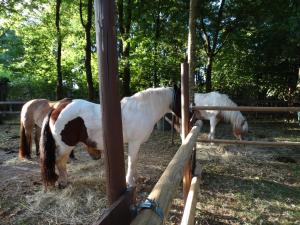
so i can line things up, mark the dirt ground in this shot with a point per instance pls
(241, 184)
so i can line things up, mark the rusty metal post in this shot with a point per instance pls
(187, 173)
(110, 99)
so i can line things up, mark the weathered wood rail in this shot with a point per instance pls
(188, 217)
(248, 108)
(242, 142)
(166, 187)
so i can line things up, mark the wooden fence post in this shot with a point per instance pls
(187, 172)
(111, 112)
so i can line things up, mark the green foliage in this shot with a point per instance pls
(156, 51)
(261, 55)
(258, 47)
(11, 48)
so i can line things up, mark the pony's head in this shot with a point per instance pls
(176, 104)
(240, 128)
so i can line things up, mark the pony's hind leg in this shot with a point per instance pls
(25, 140)
(72, 155)
(61, 164)
(37, 138)
(133, 150)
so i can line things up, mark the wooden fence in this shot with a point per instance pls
(249, 109)
(166, 187)
(10, 107)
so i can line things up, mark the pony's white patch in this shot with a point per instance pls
(238, 121)
(140, 113)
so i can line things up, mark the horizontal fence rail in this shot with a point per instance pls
(164, 190)
(10, 112)
(265, 143)
(248, 108)
(12, 102)
(9, 104)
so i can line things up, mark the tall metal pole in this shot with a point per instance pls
(187, 172)
(110, 99)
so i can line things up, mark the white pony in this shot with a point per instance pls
(81, 121)
(238, 121)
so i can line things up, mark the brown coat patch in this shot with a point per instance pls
(74, 131)
(59, 106)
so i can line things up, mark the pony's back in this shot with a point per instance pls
(89, 111)
(213, 99)
(35, 110)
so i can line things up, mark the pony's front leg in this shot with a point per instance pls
(61, 164)
(133, 150)
(213, 123)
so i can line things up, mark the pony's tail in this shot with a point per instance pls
(25, 144)
(47, 154)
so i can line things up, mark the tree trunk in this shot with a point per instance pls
(212, 44)
(124, 45)
(87, 62)
(59, 86)
(88, 68)
(126, 71)
(208, 74)
(192, 48)
(156, 38)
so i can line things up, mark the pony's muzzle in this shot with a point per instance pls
(94, 153)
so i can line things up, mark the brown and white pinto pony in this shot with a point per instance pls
(81, 121)
(238, 121)
(32, 115)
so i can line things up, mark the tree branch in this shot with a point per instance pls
(225, 35)
(81, 14)
(218, 26)
(205, 36)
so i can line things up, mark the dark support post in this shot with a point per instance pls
(172, 129)
(111, 111)
(187, 173)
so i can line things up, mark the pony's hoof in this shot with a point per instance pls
(95, 154)
(130, 182)
(72, 160)
(62, 185)
(96, 158)
(25, 157)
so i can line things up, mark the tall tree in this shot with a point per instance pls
(157, 33)
(88, 46)
(192, 47)
(124, 22)
(216, 23)
(262, 56)
(59, 85)
(211, 42)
